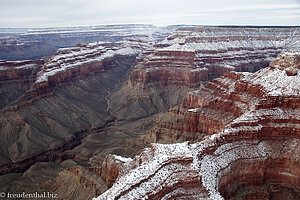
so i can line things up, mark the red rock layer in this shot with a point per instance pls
(169, 68)
(18, 70)
(110, 169)
(76, 62)
(192, 55)
(75, 73)
(208, 110)
(256, 156)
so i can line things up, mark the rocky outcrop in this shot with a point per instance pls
(192, 55)
(111, 168)
(169, 67)
(255, 156)
(205, 111)
(288, 62)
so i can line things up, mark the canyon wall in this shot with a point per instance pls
(195, 54)
(191, 57)
(209, 109)
(255, 156)
(16, 77)
(67, 99)
(104, 97)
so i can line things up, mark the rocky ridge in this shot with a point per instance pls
(70, 63)
(254, 156)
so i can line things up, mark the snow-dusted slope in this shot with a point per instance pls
(88, 57)
(198, 54)
(256, 151)
(34, 43)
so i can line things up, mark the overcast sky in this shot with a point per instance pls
(54, 13)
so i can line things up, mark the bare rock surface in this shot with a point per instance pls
(256, 155)
(86, 102)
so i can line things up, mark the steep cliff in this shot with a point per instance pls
(192, 55)
(66, 101)
(189, 58)
(208, 110)
(102, 98)
(256, 156)
(16, 77)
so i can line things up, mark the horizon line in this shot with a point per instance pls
(157, 25)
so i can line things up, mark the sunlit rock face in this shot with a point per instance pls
(255, 156)
(192, 55)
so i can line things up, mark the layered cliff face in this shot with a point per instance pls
(80, 104)
(76, 62)
(192, 55)
(66, 101)
(16, 76)
(256, 156)
(208, 110)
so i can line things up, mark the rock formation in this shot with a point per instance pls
(208, 110)
(111, 168)
(59, 92)
(256, 156)
(192, 55)
(102, 98)
(16, 76)
(32, 43)
(189, 58)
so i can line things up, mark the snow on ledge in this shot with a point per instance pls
(80, 55)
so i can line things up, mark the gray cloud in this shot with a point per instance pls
(47, 13)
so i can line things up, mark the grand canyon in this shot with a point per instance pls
(147, 112)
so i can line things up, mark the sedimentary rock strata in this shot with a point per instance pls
(208, 110)
(16, 77)
(80, 103)
(192, 55)
(41, 117)
(255, 156)
(111, 167)
(36, 43)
